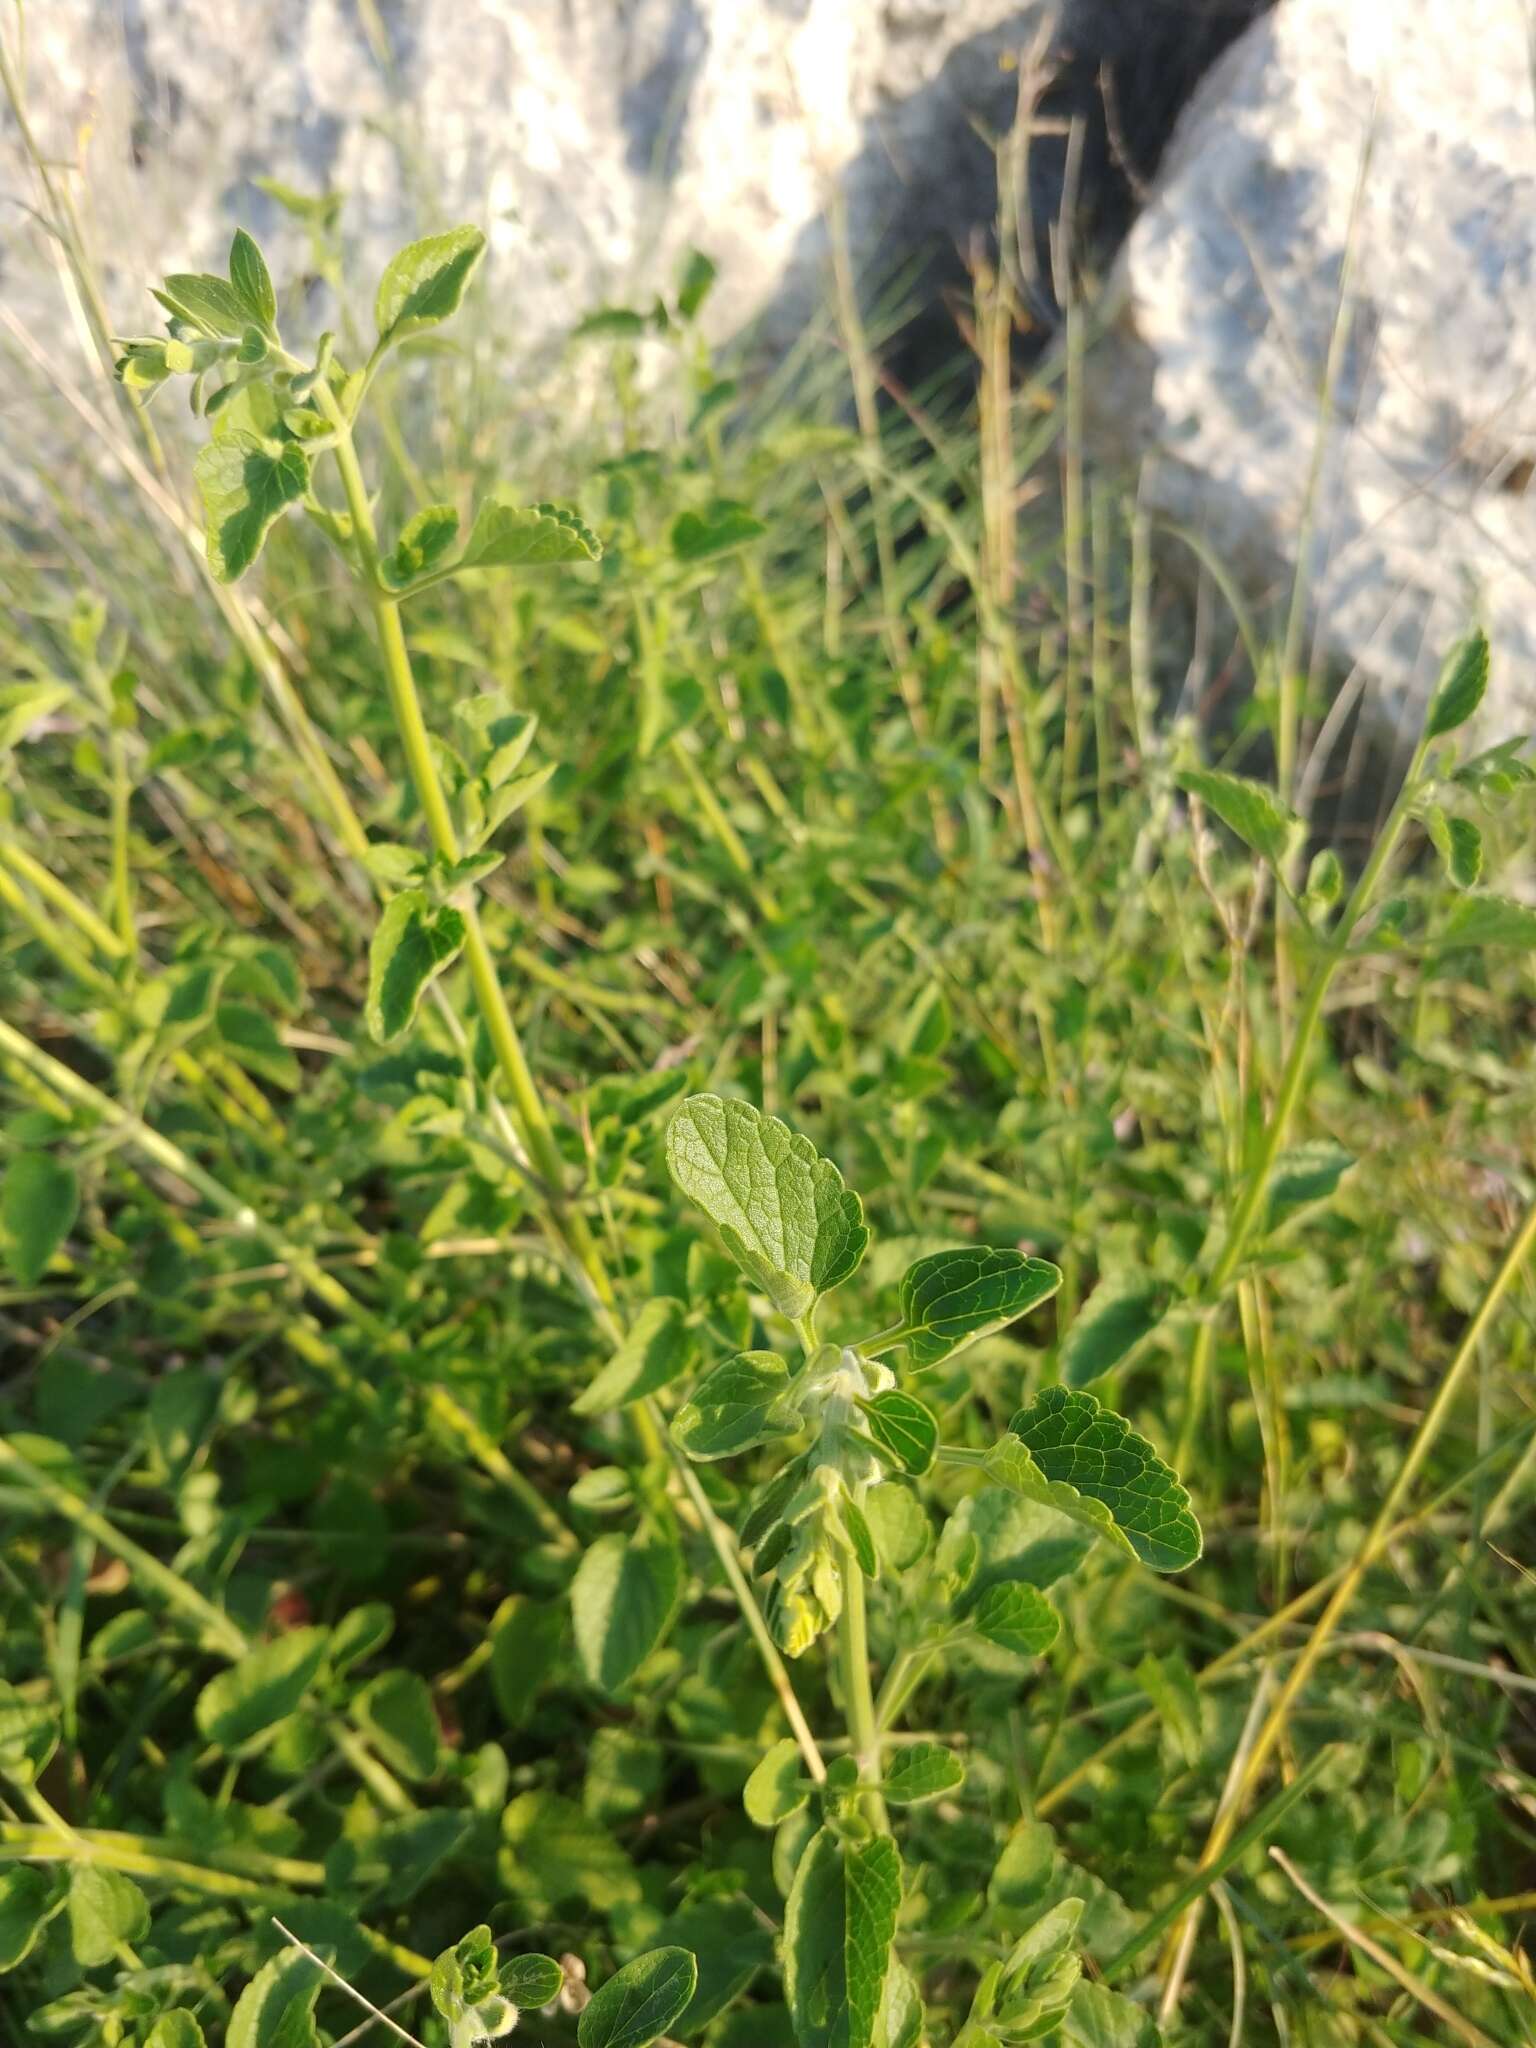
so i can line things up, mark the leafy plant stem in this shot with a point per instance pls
(411, 725)
(724, 1547)
(1250, 1204)
(858, 1696)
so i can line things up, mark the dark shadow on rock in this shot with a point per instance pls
(923, 187)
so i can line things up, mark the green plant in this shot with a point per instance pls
(413, 1520)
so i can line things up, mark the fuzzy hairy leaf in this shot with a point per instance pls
(276, 2009)
(507, 535)
(250, 280)
(207, 301)
(1460, 689)
(741, 1403)
(622, 1598)
(412, 944)
(1015, 1617)
(246, 484)
(905, 1427)
(952, 1297)
(782, 1210)
(639, 2002)
(1250, 809)
(839, 1923)
(105, 1910)
(531, 1981)
(920, 1771)
(424, 284)
(424, 540)
(1088, 1463)
(776, 1787)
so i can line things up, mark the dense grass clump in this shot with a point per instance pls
(1024, 1531)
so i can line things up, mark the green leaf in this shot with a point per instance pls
(395, 1712)
(424, 284)
(953, 1297)
(23, 705)
(1460, 689)
(251, 280)
(777, 1787)
(1306, 1173)
(105, 1909)
(464, 1975)
(741, 1403)
(899, 1524)
(262, 1689)
(1325, 879)
(276, 2009)
(1170, 1685)
(360, 1631)
(28, 1900)
(531, 1981)
(782, 1210)
(39, 1201)
(176, 2029)
(905, 1428)
(732, 1946)
(1101, 2018)
(412, 945)
(246, 485)
(726, 525)
(1250, 809)
(507, 535)
(251, 1036)
(860, 1540)
(638, 2003)
(1112, 1323)
(1489, 920)
(207, 301)
(656, 1349)
(699, 274)
(423, 542)
(552, 1854)
(920, 1771)
(1015, 1617)
(526, 1636)
(839, 1923)
(1464, 861)
(1088, 1463)
(623, 1598)
(29, 1734)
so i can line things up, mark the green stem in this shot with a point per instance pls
(567, 1225)
(858, 1696)
(1294, 1074)
(405, 703)
(725, 1550)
